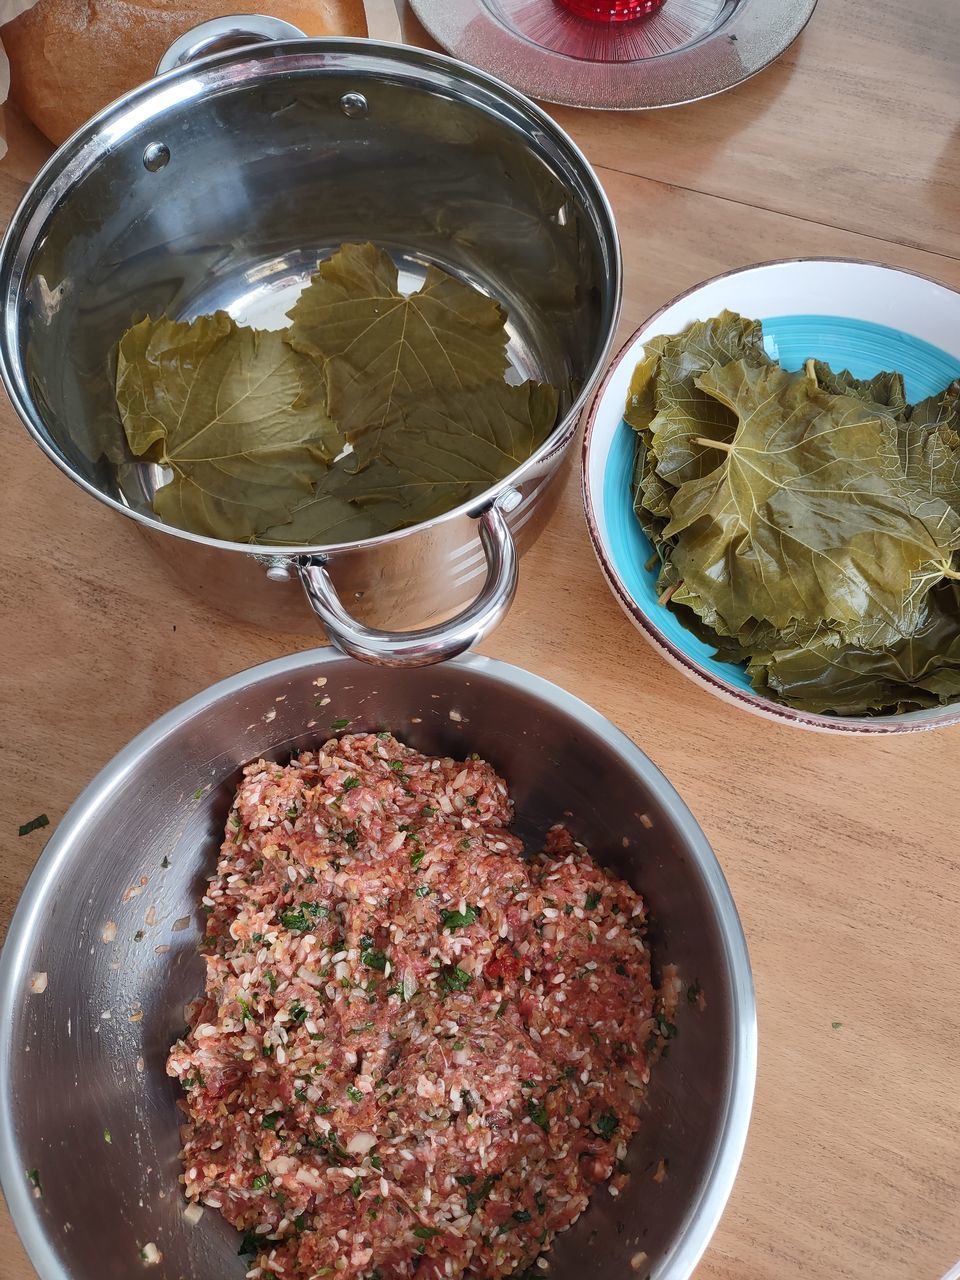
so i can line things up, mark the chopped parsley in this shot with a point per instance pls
(374, 959)
(427, 811)
(35, 824)
(298, 1012)
(666, 1028)
(418, 855)
(521, 1215)
(350, 783)
(353, 1093)
(260, 1181)
(453, 978)
(351, 838)
(458, 919)
(295, 921)
(376, 1162)
(107, 1137)
(538, 1114)
(33, 1177)
(476, 1198)
(591, 901)
(339, 724)
(425, 1233)
(693, 992)
(607, 1124)
(422, 891)
(271, 980)
(270, 1121)
(356, 1187)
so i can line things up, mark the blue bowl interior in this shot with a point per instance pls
(858, 345)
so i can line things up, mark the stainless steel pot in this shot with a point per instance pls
(221, 183)
(110, 920)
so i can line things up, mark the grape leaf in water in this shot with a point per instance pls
(327, 517)
(384, 350)
(808, 517)
(235, 414)
(453, 446)
(921, 670)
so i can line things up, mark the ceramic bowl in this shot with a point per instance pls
(855, 315)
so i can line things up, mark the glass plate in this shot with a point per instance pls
(687, 50)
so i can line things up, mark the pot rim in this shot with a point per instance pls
(68, 162)
(702, 1215)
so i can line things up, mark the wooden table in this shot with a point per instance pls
(843, 855)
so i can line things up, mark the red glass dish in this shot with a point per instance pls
(611, 10)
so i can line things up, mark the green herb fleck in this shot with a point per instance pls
(271, 980)
(351, 837)
(376, 1162)
(417, 857)
(298, 1012)
(107, 1137)
(270, 1121)
(260, 1181)
(591, 901)
(354, 1094)
(33, 1177)
(538, 1114)
(422, 891)
(607, 1124)
(374, 959)
(476, 1198)
(356, 1187)
(836, 1025)
(521, 1215)
(35, 824)
(350, 783)
(453, 978)
(425, 1233)
(466, 1179)
(666, 1028)
(340, 724)
(295, 921)
(458, 919)
(693, 992)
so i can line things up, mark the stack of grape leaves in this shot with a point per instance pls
(374, 410)
(805, 523)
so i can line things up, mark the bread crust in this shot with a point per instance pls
(69, 58)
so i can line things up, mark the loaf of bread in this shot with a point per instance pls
(69, 58)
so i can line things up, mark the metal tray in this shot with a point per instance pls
(689, 49)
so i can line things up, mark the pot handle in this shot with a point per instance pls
(383, 20)
(226, 33)
(431, 644)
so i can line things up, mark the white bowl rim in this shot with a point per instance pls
(907, 722)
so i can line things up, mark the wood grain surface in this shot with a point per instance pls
(842, 854)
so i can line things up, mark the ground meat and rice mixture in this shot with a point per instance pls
(420, 1050)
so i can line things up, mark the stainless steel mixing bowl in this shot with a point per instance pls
(221, 184)
(85, 1055)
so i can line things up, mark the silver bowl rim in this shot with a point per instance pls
(702, 1216)
(44, 192)
(755, 703)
